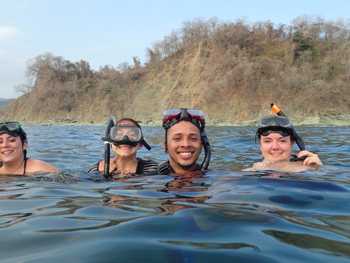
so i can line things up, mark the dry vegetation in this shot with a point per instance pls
(232, 71)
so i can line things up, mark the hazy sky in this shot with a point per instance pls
(107, 32)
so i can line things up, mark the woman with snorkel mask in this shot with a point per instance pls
(277, 136)
(13, 153)
(126, 138)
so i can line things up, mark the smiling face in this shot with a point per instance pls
(275, 147)
(184, 145)
(124, 150)
(11, 148)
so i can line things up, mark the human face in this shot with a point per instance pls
(125, 151)
(184, 145)
(11, 148)
(275, 147)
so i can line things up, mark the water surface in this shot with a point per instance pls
(226, 216)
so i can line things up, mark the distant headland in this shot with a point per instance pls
(232, 71)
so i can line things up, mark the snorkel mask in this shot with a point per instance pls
(14, 129)
(123, 132)
(197, 118)
(126, 133)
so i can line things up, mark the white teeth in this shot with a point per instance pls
(185, 154)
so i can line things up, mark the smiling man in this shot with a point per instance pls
(184, 139)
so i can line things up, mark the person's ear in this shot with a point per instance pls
(25, 146)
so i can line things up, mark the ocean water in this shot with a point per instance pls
(226, 216)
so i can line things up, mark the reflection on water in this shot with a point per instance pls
(306, 241)
(224, 216)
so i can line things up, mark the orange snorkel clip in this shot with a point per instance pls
(276, 110)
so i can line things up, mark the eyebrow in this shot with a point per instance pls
(189, 134)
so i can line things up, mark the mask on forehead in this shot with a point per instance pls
(14, 129)
(282, 124)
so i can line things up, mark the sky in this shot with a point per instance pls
(107, 32)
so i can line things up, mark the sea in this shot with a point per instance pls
(225, 216)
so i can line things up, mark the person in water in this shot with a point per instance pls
(185, 137)
(126, 139)
(13, 153)
(276, 137)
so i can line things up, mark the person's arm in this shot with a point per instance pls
(254, 168)
(100, 166)
(311, 160)
(38, 166)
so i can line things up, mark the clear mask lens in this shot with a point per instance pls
(275, 121)
(119, 133)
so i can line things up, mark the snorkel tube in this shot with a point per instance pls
(107, 154)
(207, 149)
(298, 140)
(207, 152)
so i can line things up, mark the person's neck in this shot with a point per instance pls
(192, 171)
(126, 164)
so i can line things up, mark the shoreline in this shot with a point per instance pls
(316, 121)
(306, 123)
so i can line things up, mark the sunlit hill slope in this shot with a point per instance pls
(232, 71)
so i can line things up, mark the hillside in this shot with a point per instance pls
(232, 71)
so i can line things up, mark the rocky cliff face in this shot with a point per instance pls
(233, 79)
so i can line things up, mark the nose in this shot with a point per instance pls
(185, 142)
(3, 143)
(275, 145)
